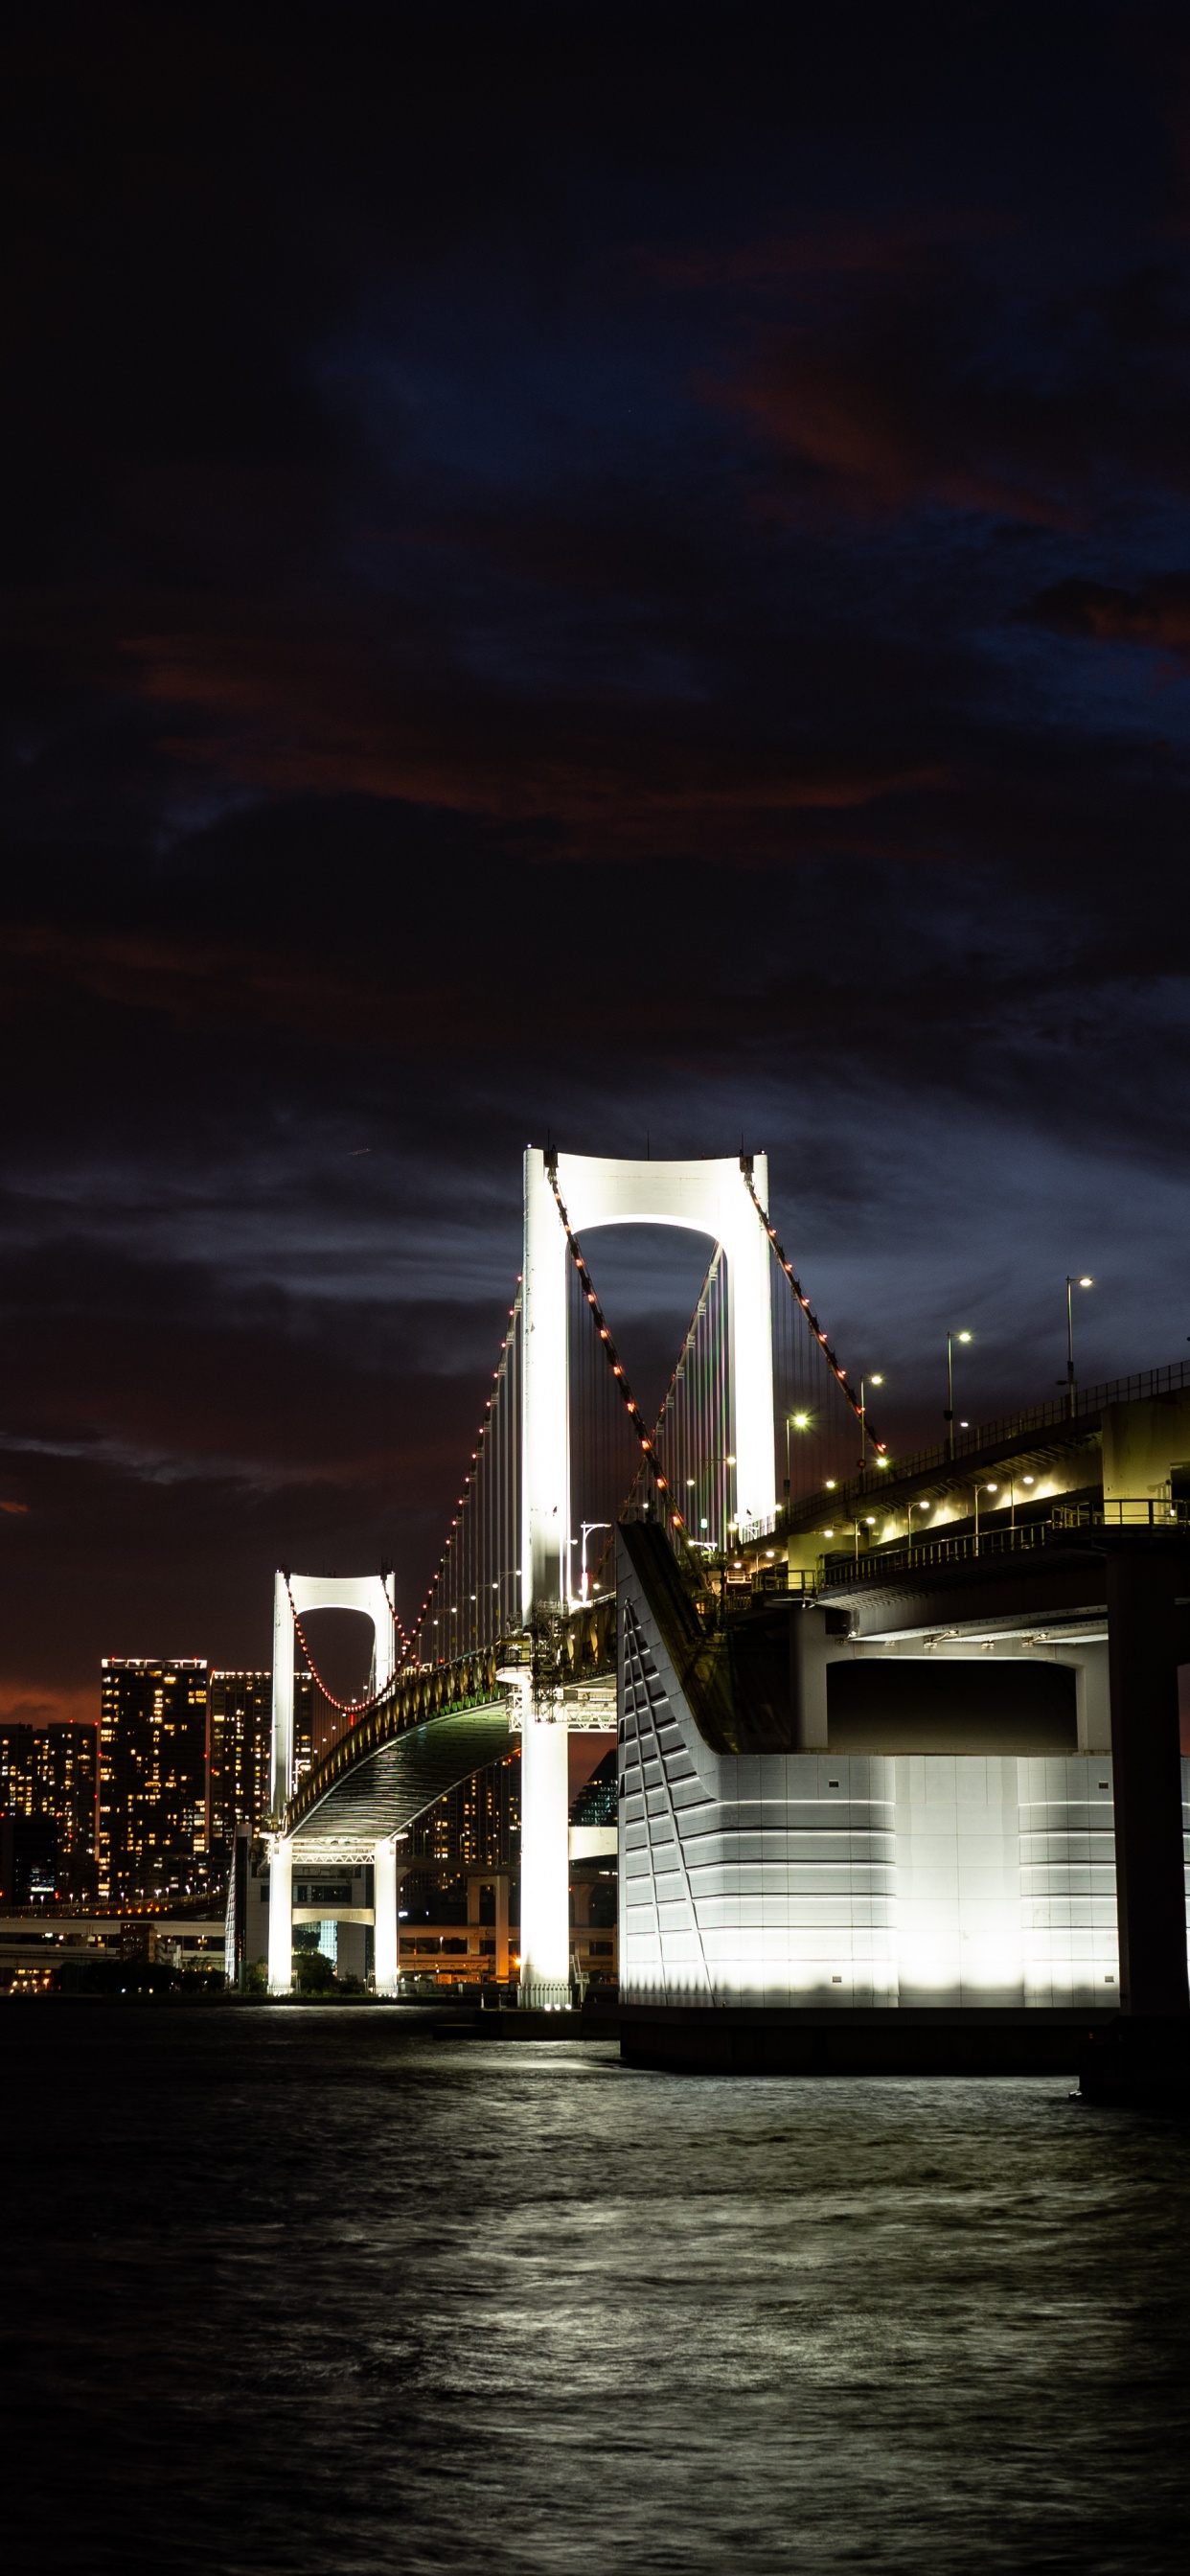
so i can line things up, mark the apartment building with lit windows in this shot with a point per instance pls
(241, 1734)
(48, 1785)
(154, 1822)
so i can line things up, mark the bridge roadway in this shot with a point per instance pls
(441, 1723)
(435, 1727)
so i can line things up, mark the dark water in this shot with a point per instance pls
(311, 2290)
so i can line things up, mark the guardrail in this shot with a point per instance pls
(876, 1565)
(989, 1435)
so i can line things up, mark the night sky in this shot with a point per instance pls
(615, 573)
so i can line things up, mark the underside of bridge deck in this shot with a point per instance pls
(391, 1787)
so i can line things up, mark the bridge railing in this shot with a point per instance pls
(876, 1565)
(1089, 1402)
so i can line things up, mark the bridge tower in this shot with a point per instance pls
(293, 1593)
(709, 1197)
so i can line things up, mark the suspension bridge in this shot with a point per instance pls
(891, 1732)
(516, 1634)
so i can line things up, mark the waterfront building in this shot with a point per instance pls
(48, 1779)
(240, 1706)
(154, 1829)
(477, 1825)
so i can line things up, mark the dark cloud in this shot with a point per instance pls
(1157, 614)
(543, 569)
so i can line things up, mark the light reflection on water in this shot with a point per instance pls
(312, 2290)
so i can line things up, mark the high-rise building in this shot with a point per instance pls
(240, 1707)
(303, 1725)
(48, 1779)
(153, 1809)
(476, 1826)
(241, 1733)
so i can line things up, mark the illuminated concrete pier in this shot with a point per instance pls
(972, 1875)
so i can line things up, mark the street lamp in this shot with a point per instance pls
(951, 1339)
(587, 1527)
(793, 1422)
(1071, 1284)
(874, 1380)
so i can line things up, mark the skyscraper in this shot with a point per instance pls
(241, 1725)
(477, 1824)
(153, 1813)
(240, 1706)
(48, 1778)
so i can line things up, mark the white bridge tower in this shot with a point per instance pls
(704, 1197)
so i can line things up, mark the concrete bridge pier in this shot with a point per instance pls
(386, 1887)
(807, 1681)
(1146, 1768)
(281, 1914)
(545, 1864)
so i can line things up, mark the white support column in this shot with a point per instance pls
(280, 1914)
(749, 1259)
(545, 1864)
(545, 1403)
(711, 1197)
(282, 1765)
(387, 1947)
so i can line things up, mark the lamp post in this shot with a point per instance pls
(587, 1527)
(1071, 1284)
(874, 1380)
(951, 1339)
(793, 1422)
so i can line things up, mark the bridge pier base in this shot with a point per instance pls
(281, 1915)
(1146, 1769)
(545, 1865)
(386, 1883)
